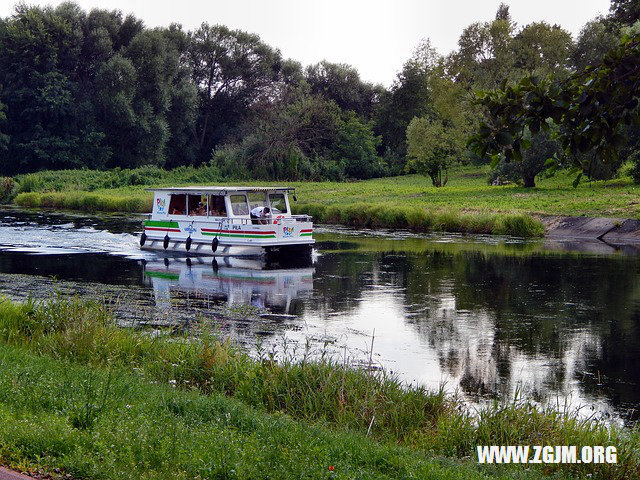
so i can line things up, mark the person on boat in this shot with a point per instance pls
(216, 206)
(260, 215)
(199, 210)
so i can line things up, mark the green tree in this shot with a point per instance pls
(432, 148)
(485, 55)
(116, 90)
(624, 12)
(49, 124)
(594, 41)
(181, 120)
(542, 49)
(543, 148)
(592, 108)
(156, 65)
(291, 139)
(452, 104)
(356, 148)
(4, 138)
(232, 70)
(408, 97)
(342, 84)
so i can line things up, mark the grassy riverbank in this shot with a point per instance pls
(108, 424)
(107, 402)
(466, 204)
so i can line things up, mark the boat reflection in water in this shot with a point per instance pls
(273, 287)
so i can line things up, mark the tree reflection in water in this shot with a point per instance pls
(553, 326)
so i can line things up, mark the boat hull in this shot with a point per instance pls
(228, 236)
(226, 248)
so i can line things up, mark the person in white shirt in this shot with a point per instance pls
(260, 215)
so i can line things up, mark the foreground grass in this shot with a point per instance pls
(108, 424)
(352, 403)
(466, 204)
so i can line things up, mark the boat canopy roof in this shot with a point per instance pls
(219, 190)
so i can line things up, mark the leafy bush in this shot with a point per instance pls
(91, 180)
(532, 164)
(595, 168)
(228, 160)
(634, 159)
(7, 189)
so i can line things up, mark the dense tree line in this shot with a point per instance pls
(99, 90)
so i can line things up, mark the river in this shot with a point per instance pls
(487, 317)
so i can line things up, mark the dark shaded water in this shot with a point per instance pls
(488, 317)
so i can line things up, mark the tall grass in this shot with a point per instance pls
(62, 421)
(140, 202)
(421, 219)
(324, 391)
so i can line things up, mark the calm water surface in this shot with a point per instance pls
(486, 317)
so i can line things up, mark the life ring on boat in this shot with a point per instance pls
(143, 238)
(165, 243)
(214, 244)
(187, 244)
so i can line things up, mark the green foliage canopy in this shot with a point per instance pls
(591, 107)
(432, 147)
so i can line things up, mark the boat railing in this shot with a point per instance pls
(276, 220)
(301, 218)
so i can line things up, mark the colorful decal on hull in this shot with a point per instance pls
(161, 226)
(238, 233)
(160, 206)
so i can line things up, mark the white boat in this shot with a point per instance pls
(217, 221)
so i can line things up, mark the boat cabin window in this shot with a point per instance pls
(239, 204)
(197, 205)
(278, 203)
(217, 208)
(178, 204)
(257, 199)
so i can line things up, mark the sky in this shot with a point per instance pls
(375, 36)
